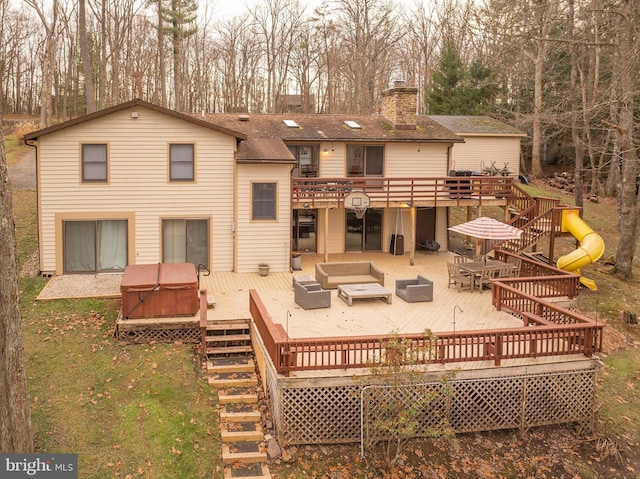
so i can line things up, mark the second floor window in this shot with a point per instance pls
(181, 162)
(365, 160)
(94, 163)
(306, 160)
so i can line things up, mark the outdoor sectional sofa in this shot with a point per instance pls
(331, 275)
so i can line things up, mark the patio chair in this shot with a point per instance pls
(486, 275)
(458, 278)
(312, 296)
(516, 264)
(461, 259)
(415, 290)
(505, 271)
(430, 245)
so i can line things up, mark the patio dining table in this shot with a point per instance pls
(474, 268)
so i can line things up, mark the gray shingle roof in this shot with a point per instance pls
(476, 125)
(320, 127)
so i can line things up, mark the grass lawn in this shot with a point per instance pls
(146, 411)
(127, 410)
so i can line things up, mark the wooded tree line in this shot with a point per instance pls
(563, 71)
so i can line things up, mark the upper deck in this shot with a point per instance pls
(396, 192)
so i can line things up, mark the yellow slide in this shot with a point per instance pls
(590, 250)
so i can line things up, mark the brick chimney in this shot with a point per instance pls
(399, 106)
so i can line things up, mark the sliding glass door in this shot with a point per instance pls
(95, 246)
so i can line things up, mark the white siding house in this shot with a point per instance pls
(489, 145)
(140, 184)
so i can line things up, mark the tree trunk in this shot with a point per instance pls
(161, 58)
(89, 90)
(536, 137)
(575, 132)
(627, 204)
(15, 413)
(48, 59)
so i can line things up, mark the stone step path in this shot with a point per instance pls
(231, 370)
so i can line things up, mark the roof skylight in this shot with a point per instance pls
(352, 124)
(291, 123)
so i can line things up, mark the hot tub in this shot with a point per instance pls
(160, 290)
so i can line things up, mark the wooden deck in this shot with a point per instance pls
(365, 317)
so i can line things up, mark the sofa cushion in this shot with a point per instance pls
(331, 275)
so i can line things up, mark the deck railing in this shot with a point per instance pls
(390, 191)
(548, 331)
(530, 268)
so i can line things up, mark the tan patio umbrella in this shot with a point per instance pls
(484, 228)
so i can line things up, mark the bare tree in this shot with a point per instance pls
(15, 413)
(278, 24)
(369, 30)
(575, 132)
(89, 90)
(238, 58)
(419, 49)
(329, 59)
(628, 206)
(50, 25)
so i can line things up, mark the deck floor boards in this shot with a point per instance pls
(364, 317)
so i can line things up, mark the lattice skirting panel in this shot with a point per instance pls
(330, 413)
(135, 336)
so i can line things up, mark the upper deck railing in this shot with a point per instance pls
(395, 191)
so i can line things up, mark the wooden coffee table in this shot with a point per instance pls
(349, 292)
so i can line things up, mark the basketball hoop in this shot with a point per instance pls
(359, 211)
(357, 201)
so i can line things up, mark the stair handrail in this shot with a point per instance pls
(203, 321)
(200, 268)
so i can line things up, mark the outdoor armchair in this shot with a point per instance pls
(415, 290)
(312, 296)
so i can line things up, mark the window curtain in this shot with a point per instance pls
(173, 241)
(112, 245)
(79, 246)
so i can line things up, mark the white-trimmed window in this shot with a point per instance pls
(181, 162)
(94, 163)
(263, 201)
(92, 246)
(185, 241)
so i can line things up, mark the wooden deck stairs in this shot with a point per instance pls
(231, 370)
(535, 228)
